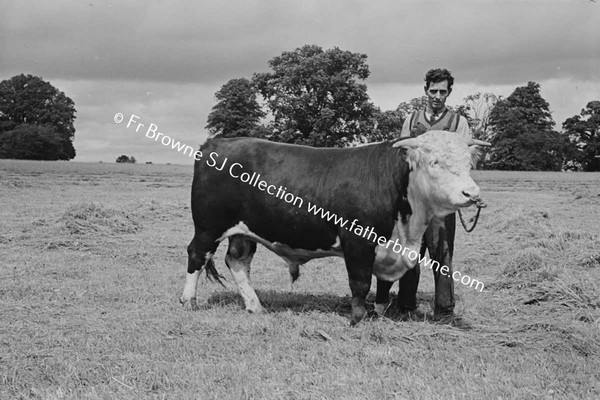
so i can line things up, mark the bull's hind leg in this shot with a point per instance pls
(200, 252)
(238, 259)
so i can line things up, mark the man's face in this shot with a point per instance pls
(437, 93)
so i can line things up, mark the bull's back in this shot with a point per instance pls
(227, 187)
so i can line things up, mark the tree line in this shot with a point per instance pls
(318, 98)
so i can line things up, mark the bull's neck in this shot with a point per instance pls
(419, 219)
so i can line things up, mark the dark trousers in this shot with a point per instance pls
(439, 240)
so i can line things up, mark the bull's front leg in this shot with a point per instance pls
(382, 297)
(359, 264)
(407, 290)
(408, 285)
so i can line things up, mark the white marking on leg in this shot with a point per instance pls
(240, 270)
(188, 298)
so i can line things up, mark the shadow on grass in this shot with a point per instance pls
(277, 301)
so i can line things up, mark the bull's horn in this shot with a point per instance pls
(408, 143)
(473, 142)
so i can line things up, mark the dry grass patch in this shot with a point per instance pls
(94, 218)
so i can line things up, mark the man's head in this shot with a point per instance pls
(438, 86)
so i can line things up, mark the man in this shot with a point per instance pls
(439, 238)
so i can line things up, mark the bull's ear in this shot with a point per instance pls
(409, 143)
(476, 154)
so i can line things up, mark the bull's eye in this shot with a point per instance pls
(435, 163)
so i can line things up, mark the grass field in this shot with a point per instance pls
(93, 259)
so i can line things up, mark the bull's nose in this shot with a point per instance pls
(472, 192)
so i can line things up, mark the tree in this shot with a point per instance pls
(521, 133)
(415, 104)
(584, 132)
(479, 106)
(26, 102)
(387, 125)
(237, 112)
(124, 159)
(31, 142)
(315, 97)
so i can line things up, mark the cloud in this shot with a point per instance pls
(487, 41)
(165, 61)
(179, 110)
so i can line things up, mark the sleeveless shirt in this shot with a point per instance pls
(419, 123)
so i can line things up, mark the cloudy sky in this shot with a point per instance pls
(164, 61)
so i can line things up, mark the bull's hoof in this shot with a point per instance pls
(256, 309)
(357, 316)
(189, 304)
(443, 312)
(416, 315)
(447, 319)
(404, 309)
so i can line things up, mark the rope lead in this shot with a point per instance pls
(476, 218)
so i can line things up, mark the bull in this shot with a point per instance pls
(391, 189)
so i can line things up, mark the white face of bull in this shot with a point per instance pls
(440, 164)
(439, 184)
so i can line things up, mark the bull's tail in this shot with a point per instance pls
(211, 272)
(243, 230)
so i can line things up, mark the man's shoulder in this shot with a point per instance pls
(454, 121)
(451, 111)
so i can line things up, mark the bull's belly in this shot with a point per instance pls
(302, 256)
(292, 256)
(388, 265)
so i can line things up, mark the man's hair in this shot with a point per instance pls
(438, 75)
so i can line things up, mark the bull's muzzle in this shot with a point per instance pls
(478, 201)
